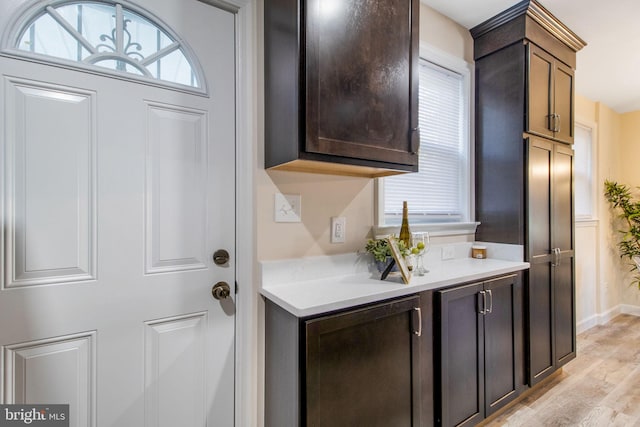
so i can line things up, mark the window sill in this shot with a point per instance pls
(441, 230)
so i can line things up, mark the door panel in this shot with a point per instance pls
(563, 101)
(502, 345)
(540, 92)
(540, 321)
(51, 200)
(374, 349)
(563, 281)
(563, 199)
(66, 364)
(118, 193)
(565, 344)
(175, 188)
(539, 200)
(176, 389)
(461, 382)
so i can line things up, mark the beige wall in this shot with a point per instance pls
(630, 159)
(618, 143)
(444, 34)
(326, 196)
(630, 139)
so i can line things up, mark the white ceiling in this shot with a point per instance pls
(608, 68)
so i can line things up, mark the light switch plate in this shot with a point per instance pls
(287, 207)
(338, 229)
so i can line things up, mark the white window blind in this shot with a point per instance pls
(437, 192)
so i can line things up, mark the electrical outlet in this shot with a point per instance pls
(338, 229)
(287, 207)
(448, 252)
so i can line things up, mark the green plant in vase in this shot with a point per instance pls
(381, 251)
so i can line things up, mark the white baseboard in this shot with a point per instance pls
(587, 324)
(634, 310)
(605, 317)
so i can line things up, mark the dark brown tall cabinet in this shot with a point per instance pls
(341, 86)
(525, 61)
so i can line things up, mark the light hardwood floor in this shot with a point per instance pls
(600, 387)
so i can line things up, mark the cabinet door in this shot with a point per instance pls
(503, 341)
(540, 92)
(361, 78)
(551, 254)
(539, 253)
(563, 90)
(563, 239)
(362, 367)
(459, 388)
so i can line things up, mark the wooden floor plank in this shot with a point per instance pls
(600, 387)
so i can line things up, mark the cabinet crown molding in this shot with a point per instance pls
(539, 14)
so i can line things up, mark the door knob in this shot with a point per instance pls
(221, 290)
(221, 257)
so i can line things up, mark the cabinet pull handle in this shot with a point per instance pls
(483, 294)
(415, 140)
(490, 309)
(419, 331)
(556, 257)
(557, 122)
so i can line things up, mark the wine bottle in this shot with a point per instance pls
(405, 233)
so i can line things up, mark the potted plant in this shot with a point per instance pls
(381, 252)
(620, 199)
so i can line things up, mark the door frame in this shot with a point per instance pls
(247, 397)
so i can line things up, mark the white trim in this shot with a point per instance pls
(440, 230)
(246, 351)
(586, 324)
(633, 310)
(607, 316)
(586, 223)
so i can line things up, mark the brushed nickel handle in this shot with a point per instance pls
(221, 290)
(483, 294)
(419, 331)
(556, 257)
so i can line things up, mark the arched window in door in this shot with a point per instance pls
(111, 37)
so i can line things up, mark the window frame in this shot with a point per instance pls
(32, 12)
(468, 225)
(593, 127)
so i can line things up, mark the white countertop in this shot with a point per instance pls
(312, 286)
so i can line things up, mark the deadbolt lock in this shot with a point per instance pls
(221, 257)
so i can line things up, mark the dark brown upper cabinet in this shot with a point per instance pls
(550, 94)
(341, 86)
(543, 49)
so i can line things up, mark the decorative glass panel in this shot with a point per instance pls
(108, 35)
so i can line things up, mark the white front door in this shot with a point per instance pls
(114, 196)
